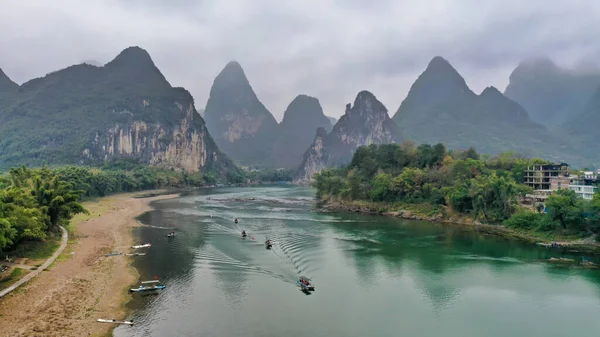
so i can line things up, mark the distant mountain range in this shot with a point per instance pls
(551, 94)
(247, 131)
(441, 108)
(127, 109)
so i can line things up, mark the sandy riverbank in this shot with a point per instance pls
(83, 284)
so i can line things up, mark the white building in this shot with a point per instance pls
(585, 185)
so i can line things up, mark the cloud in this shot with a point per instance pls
(330, 49)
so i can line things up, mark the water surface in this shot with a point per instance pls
(374, 276)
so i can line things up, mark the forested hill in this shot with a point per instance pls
(85, 114)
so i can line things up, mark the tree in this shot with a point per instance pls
(381, 187)
(408, 185)
(565, 207)
(524, 219)
(56, 198)
(7, 234)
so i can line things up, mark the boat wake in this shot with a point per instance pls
(156, 227)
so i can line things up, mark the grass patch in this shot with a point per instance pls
(545, 236)
(36, 250)
(15, 275)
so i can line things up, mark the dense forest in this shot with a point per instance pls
(34, 202)
(487, 189)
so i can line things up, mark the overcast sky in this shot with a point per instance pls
(330, 49)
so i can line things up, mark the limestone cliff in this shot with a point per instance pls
(186, 145)
(87, 114)
(242, 126)
(315, 158)
(364, 123)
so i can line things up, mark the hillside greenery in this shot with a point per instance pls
(483, 188)
(34, 202)
(73, 115)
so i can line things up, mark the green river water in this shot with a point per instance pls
(374, 275)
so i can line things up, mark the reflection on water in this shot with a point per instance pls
(374, 276)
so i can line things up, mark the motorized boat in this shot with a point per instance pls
(235, 221)
(268, 244)
(114, 321)
(143, 287)
(170, 235)
(244, 234)
(305, 283)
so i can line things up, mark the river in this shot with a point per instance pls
(374, 276)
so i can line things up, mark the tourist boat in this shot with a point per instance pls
(141, 246)
(114, 321)
(268, 244)
(142, 287)
(305, 283)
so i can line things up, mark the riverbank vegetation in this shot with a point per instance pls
(33, 202)
(436, 183)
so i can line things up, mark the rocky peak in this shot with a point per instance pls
(241, 125)
(491, 92)
(135, 66)
(305, 110)
(440, 75)
(233, 72)
(295, 133)
(6, 84)
(439, 84)
(365, 122)
(315, 159)
(132, 57)
(366, 106)
(493, 105)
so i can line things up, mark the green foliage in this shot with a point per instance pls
(484, 188)
(566, 208)
(525, 219)
(567, 213)
(34, 204)
(7, 234)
